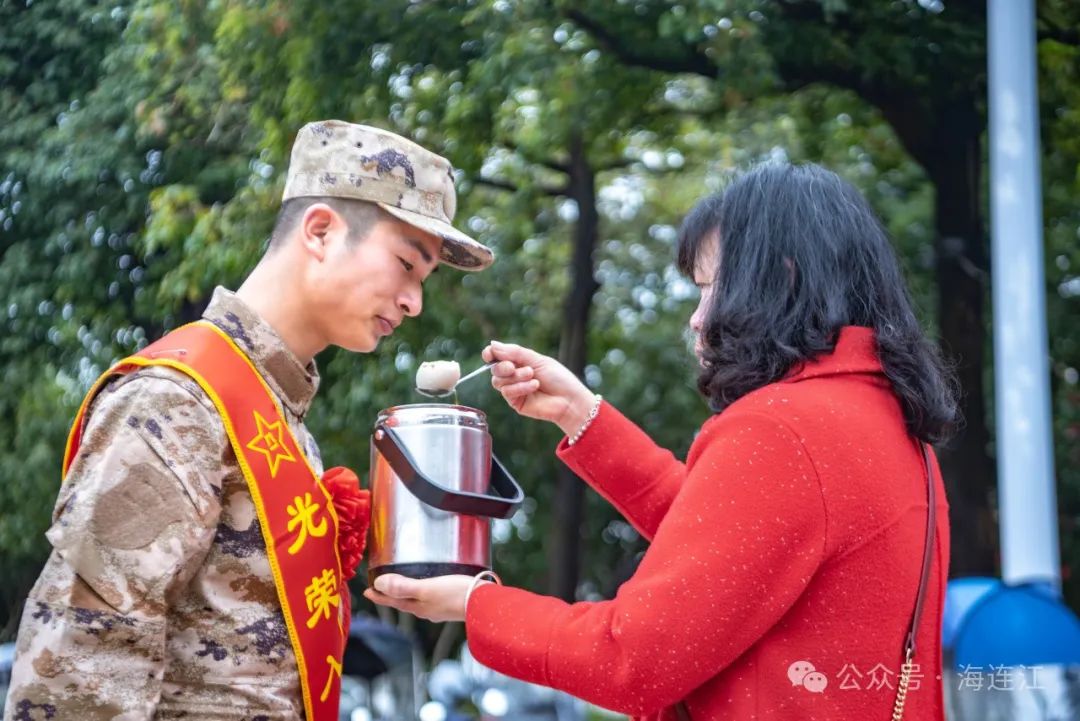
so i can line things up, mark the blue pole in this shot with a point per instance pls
(1027, 499)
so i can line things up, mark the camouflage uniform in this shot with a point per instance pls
(157, 600)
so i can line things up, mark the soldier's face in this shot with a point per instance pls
(375, 283)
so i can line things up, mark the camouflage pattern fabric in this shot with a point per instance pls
(157, 601)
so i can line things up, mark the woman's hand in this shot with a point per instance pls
(436, 599)
(538, 386)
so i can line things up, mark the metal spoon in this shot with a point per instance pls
(440, 393)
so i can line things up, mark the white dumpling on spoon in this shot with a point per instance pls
(437, 377)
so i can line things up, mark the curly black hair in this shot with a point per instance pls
(802, 255)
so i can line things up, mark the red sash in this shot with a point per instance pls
(296, 513)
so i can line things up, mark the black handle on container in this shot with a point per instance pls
(432, 493)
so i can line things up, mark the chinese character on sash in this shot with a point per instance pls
(335, 668)
(320, 595)
(303, 512)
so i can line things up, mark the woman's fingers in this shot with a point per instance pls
(517, 375)
(517, 354)
(402, 604)
(511, 391)
(397, 591)
(437, 599)
(395, 585)
(503, 369)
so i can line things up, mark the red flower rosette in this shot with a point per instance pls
(353, 507)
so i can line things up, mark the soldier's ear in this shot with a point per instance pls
(319, 223)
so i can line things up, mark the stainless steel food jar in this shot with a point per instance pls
(432, 471)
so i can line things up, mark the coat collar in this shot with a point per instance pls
(293, 382)
(855, 352)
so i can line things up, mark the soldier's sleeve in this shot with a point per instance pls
(134, 520)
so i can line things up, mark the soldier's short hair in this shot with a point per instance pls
(359, 215)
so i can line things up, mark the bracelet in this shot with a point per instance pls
(476, 582)
(588, 421)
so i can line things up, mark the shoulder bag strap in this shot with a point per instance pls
(909, 642)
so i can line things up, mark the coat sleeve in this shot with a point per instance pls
(740, 543)
(134, 519)
(624, 466)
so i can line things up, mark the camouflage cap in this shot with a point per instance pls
(344, 160)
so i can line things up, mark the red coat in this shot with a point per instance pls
(793, 533)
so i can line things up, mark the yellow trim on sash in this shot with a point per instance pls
(77, 426)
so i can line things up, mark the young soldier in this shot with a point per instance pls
(198, 566)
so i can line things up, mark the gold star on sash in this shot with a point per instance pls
(270, 441)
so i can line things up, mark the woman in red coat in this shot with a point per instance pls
(787, 553)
